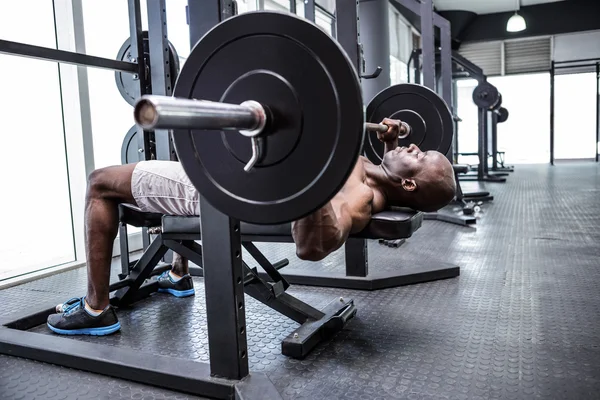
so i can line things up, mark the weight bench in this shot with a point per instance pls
(180, 233)
(388, 225)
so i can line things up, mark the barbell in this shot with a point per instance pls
(294, 97)
(502, 114)
(487, 96)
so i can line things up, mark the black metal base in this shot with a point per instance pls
(457, 219)
(374, 280)
(485, 178)
(503, 169)
(392, 243)
(167, 372)
(477, 196)
(335, 316)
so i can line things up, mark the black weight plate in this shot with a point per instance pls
(309, 85)
(131, 150)
(486, 95)
(128, 85)
(502, 115)
(426, 112)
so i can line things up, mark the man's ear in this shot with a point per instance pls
(409, 185)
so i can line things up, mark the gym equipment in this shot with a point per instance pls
(128, 84)
(486, 95)
(131, 148)
(281, 116)
(305, 152)
(426, 113)
(502, 114)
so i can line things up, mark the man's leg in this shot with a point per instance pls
(107, 188)
(180, 265)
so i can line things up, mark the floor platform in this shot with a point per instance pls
(522, 321)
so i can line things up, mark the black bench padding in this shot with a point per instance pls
(393, 224)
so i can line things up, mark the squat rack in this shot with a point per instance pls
(582, 65)
(227, 375)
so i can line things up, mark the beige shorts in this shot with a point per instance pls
(163, 187)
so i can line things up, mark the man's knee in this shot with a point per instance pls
(111, 182)
(97, 182)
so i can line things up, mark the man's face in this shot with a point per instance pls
(407, 162)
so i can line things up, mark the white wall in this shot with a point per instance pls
(576, 46)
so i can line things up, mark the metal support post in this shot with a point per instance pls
(160, 70)
(454, 109)
(348, 34)
(309, 10)
(417, 65)
(357, 257)
(428, 44)
(597, 110)
(224, 288)
(552, 113)
(494, 132)
(137, 56)
(481, 149)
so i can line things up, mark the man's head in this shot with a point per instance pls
(422, 180)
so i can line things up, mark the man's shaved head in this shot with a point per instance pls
(423, 181)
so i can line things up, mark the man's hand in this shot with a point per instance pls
(393, 130)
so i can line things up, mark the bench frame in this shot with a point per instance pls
(226, 278)
(357, 275)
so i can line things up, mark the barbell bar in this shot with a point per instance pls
(250, 118)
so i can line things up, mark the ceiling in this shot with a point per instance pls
(485, 6)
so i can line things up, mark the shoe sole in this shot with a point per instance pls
(178, 293)
(106, 330)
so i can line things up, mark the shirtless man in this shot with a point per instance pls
(406, 177)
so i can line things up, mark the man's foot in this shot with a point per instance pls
(177, 286)
(74, 319)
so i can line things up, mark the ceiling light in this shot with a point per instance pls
(516, 23)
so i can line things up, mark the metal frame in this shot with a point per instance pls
(227, 375)
(356, 274)
(484, 127)
(348, 32)
(574, 64)
(309, 10)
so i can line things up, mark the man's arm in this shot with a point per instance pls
(390, 138)
(324, 231)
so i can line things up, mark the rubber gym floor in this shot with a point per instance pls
(521, 322)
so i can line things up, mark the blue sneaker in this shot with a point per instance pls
(73, 319)
(183, 287)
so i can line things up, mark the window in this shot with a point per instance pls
(276, 5)
(246, 6)
(324, 21)
(575, 116)
(400, 47)
(468, 127)
(39, 230)
(525, 136)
